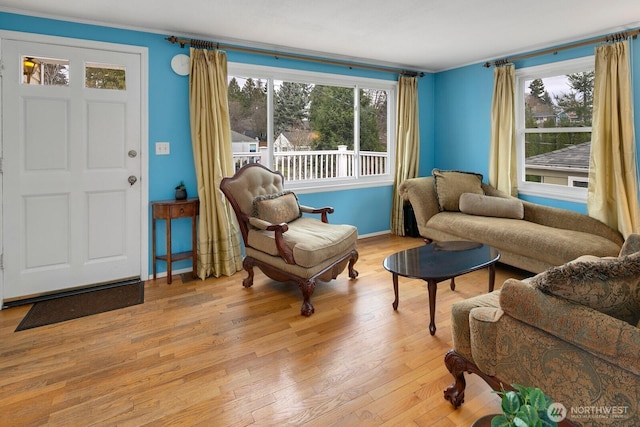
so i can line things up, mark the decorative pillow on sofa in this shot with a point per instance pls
(450, 185)
(609, 285)
(478, 204)
(631, 245)
(277, 208)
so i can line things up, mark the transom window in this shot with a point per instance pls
(317, 129)
(55, 72)
(553, 119)
(45, 71)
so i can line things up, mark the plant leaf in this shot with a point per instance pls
(537, 399)
(510, 403)
(521, 389)
(529, 415)
(545, 421)
(500, 421)
(518, 422)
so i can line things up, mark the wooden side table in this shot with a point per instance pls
(169, 210)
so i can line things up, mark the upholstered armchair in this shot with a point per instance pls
(285, 244)
(573, 331)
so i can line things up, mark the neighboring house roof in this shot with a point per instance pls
(572, 157)
(540, 110)
(282, 143)
(543, 111)
(239, 137)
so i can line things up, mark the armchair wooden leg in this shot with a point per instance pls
(307, 287)
(457, 365)
(247, 264)
(354, 258)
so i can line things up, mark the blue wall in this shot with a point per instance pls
(463, 115)
(367, 208)
(454, 114)
(462, 119)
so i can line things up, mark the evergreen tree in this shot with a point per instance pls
(234, 91)
(379, 102)
(576, 106)
(291, 101)
(539, 93)
(369, 130)
(248, 107)
(234, 94)
(537, 88)
(331, 116)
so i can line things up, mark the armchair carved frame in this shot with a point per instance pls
(282, 268)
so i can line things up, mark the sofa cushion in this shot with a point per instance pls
(450, 185)
(277, 208)
(609, 285)
(631, 245)
(311, 240)
(478, 204)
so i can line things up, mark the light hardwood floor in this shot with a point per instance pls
(213, 353)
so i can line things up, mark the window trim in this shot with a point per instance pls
(303, 76)
(550, 191)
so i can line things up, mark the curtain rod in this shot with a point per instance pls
(604, 39)
(203, 44)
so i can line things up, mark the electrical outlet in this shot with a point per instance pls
(162, 148)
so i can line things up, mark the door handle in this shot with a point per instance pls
(132, 180)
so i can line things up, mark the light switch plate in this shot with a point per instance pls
(162, 148)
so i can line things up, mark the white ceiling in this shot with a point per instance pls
(425, 35)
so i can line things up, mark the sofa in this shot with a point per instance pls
(455, 205)
(572, 331)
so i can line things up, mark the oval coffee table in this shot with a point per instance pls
(439, 261)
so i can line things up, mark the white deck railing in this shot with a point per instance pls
(305, 165)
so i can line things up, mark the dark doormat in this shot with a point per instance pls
(85, 303)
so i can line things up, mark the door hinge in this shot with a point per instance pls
(1, 165)
(2, 262)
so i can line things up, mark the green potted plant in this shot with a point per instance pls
(181, 191)
(525, 407)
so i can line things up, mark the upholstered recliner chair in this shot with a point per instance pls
(283, 243)
(572, 330)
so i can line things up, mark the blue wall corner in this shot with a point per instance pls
(427, 117)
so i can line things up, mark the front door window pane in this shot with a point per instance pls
(45, 71)
(103, 76)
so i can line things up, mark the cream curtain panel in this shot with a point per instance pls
(219, 250)
(502, 152)
(613, 186)
(407, 147)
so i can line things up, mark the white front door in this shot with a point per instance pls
(71, 191)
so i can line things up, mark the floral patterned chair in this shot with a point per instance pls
(573, 331)
(283, 243)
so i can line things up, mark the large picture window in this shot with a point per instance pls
(553, 122)
(317, 129)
